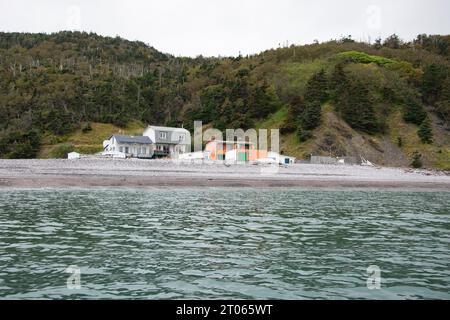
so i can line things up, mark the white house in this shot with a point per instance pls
(128, 146)
(169, 142)
(156, 142)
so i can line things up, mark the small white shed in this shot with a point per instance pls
(73, 155)
(281, 159)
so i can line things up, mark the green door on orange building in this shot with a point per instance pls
(242, 156)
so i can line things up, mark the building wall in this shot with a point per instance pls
(245, 155)
(210, 149)
(173, 150)
(135, 150)
(149, 132)
(257, 154)
(172, 137)
(218, 151)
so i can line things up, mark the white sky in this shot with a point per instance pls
(227, 27)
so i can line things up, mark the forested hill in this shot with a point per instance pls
(388, 101)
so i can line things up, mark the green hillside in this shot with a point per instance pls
(385, 101)
(85, 142)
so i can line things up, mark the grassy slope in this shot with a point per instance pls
(89, 142)
(293, 76)
(434, 155)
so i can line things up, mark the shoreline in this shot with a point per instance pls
(113, 173)
(96, 182)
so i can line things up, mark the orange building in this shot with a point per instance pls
(233, 150)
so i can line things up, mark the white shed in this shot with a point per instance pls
(281, 159)
(73, 155)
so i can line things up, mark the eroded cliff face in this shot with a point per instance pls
(336, 138)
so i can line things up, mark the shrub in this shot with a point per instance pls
(304, 135)
(404, 67)
(416, 160)
(361, 57)
(86, 127)
(61, 151)
(288, 126)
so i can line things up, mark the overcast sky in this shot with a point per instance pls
(227, 27)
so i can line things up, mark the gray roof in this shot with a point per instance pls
(132, 139)
(169, 129)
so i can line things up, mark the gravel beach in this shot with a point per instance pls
(98, 172)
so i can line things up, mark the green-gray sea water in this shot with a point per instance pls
(224, 243)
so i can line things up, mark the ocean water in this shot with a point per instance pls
(224, 243)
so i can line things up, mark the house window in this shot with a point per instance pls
(121, 149)
(179, 149)
(144, 150)
(127, 149)
(163, 135)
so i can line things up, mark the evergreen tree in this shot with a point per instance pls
(414, 112)
(443, 105)
(269, 101)
(392, 42)
(338, 80)
(377, 45)
(309, 111)
(312, 115)
(356, 107)
(432, 81)
(316, 88)
(295, 109)
(425, 131)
